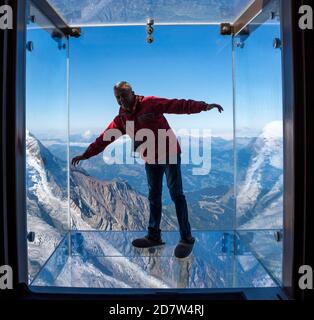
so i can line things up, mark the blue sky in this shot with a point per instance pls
(188, 62)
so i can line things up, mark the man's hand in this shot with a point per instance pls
(76, 160)
(214, 105)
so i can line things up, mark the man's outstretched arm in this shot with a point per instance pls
(182, 106)
(109, 135)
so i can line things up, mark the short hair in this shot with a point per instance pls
(123, 85)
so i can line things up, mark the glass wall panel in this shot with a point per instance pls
(47, 124)
(258, 125)
(259, 131)
(184, 62)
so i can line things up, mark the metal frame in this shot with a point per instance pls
(151, 294)
(289, 148)
(13, 219)
(298, 144)
(249, 15)
(55, 18)
(298, 132)
(3, 101)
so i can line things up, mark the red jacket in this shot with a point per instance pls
(148, 114)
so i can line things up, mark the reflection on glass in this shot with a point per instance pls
(259, 134)
(266, 245)
(46, 123)
(85, 12)
(259, 128)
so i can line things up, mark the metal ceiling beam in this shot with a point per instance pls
(56, 19)
(247, 16)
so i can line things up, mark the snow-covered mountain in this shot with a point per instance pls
(260, 193)
(108, 205)
(98, 204)
(259, 175)
(94, 204)
(47, 204)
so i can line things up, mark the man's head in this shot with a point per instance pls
(125, 95)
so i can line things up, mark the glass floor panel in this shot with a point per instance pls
(108, 260)
(267, 250)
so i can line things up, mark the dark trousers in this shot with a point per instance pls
(154, 173)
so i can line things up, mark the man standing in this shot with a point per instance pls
(148, 113)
